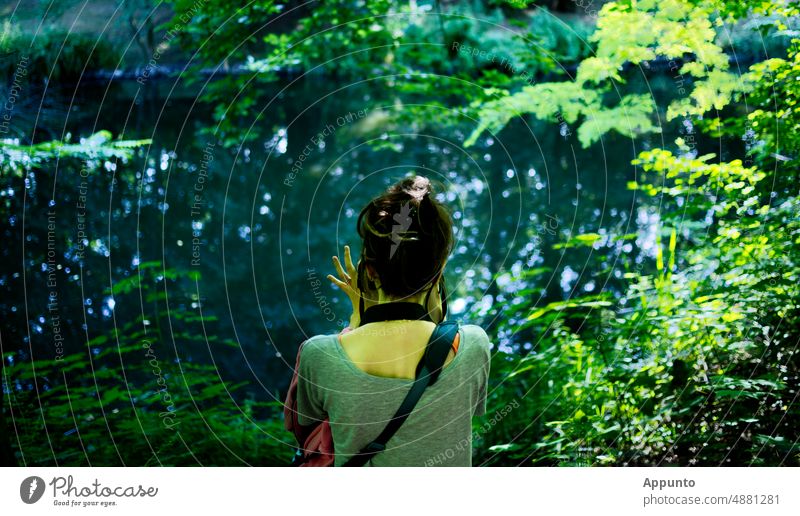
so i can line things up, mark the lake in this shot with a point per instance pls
(256, 224)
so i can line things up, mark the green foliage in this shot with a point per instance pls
(754, 38)
(54, 54)
(16, 159)
(775, 118)
(771, 127)
(269, 38)
(566, 40)
(475, 43)
(568, 102)
(696, 363)
(339, 37)
(351, 40)
(631, 33)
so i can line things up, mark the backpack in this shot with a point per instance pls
(317, 440)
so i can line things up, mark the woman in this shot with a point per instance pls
(352, 383)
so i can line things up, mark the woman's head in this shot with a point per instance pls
(406, 238)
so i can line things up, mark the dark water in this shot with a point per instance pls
(262, 239)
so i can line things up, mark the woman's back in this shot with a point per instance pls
(389, 348)
(338, 380)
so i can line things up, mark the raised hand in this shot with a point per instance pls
(348, 282)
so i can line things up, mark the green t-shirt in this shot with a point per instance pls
(438, 432)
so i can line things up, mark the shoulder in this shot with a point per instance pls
(475, 334)
(317, 347)
(476, 339)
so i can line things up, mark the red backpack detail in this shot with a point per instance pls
(316, 439)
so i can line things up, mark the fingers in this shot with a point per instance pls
(348, 261)
(339, 283)
(339, 269)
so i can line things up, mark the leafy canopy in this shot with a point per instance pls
(630, 33)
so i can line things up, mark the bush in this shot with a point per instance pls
(697, 362)
(486, 41)
(56, 54)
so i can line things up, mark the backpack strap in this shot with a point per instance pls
(428, 371)
(436, 351)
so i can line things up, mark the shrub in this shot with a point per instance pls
(56, 54)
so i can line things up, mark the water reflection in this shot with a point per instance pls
(252, 220)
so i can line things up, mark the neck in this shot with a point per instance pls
(420, 299)
(383, 298)
(395, 311)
